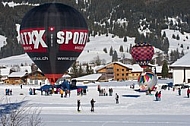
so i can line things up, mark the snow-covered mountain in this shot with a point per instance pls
(2, 41)
(95, 48)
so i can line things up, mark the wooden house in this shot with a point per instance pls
(118, 71)
(15, 78)
(35, 77)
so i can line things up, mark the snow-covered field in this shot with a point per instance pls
(172, 110)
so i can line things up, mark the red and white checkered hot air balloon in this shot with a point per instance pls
(142, 53)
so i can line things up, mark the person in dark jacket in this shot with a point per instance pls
(179, 91)
(156, 95)
(78, 105)
(92, 105)
(117, 98)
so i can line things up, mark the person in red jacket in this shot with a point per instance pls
(159, 96)
(188, 92)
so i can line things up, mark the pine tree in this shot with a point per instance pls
(178, 38)
(34, 67)
(115, 56)
(111, 51)
(87, 69)
(165, 45)
(74, 70)
(173, 36)
(182, 53)
(181, 45)
(164, 34)
(177, 54)
(121, 48)
(105, 50)
(98, 61)
(125, 39)
(80, 73)
(165, 69)
(130, 48)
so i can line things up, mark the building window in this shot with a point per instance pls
(31, 81)
(117, 74)
(123, 75)
(122, 69)
(43, 81)
(117, 69)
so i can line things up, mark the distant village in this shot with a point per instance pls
(114, 71)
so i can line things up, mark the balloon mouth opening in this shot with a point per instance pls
(143, 66)
(53, 77)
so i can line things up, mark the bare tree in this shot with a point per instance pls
(19, 114)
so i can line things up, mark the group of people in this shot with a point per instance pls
(102, 92)
(92, 101)
(158, 94)
(32, 91)
(66, 92)
(188, 92)
(8, 91)
(81, 91)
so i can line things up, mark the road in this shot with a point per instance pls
(116, 120)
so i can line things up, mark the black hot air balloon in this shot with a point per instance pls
(53, 35)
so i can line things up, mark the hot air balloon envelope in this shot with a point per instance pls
(147, 80)
(142, 53)
(53, 35)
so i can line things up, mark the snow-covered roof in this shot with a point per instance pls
(24, 68)
(182, 62)
(91, 77)
(136, 68)
(17, 74)
(16, 60)
(66, 76)
(125, 65)
(122, 64)
(5, 71)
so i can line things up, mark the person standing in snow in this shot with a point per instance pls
(188, 92)
(117, 98)
(61, 92)
(179, 91)
(92, 105)
(156, 95)
(159, 96)
(78, 105)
